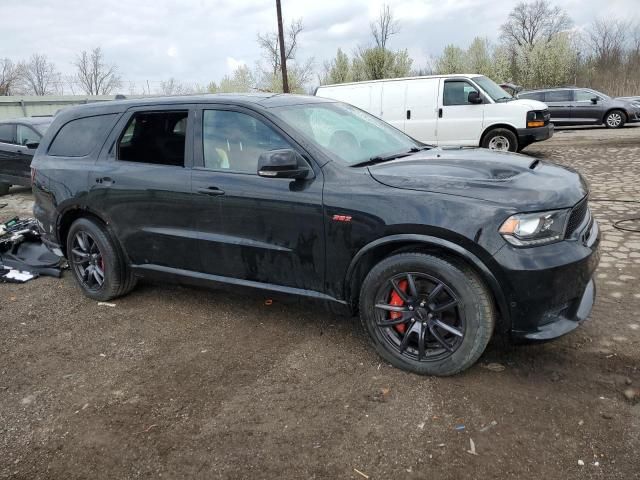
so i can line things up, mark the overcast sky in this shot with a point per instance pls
(197, 41)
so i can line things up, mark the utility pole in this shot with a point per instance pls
(283, 55)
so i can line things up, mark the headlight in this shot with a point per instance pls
(535, 118)
(529, 229)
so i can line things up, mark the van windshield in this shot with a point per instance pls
(492, 89)
(347, 133)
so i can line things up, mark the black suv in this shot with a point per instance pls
(583, 106)
(435, 247)
(19, 139)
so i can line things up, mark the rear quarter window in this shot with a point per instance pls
(79, 137)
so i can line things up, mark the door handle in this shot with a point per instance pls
(105, 180)
(408, 114)
(213, 191)
(440, 113)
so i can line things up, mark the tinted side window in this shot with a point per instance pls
(532, 96)
(78, 138)
(558, 96)
(235, 141)
(6, 133)
(154, 137)
(456, 92)
(27, 135)
(584, 96)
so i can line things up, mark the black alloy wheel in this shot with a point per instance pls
(426, 314)
(86, 260)
(418, 315)
(97, 261)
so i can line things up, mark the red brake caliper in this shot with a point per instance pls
(397, 301)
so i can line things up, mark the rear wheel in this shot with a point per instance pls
(4, 188)
(426, 314)
(615, 119)
(97, 261)
(500, 139)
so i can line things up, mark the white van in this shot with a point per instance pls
(466, 110)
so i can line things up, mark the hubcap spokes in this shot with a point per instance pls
(86, 259)
(499, 143)
(424, 321)
(614, 120)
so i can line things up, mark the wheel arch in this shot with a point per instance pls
(374, 252)
(513, 130)
(620, 109)
(66, 219)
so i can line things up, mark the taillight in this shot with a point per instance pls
(33, 175)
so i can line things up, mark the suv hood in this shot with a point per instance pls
(509, 179)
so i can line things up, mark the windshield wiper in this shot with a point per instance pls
(381, 159)
(393, 156)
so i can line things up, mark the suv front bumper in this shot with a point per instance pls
(550, 289)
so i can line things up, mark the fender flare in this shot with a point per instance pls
(485, 273)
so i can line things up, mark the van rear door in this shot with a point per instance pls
(422, 109)
(459, 121)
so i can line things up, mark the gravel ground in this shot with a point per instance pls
(185, 383)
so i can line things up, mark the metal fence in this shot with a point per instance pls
(34, 106)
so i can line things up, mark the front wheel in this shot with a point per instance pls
(614, 119)
(426, 314)
(500, 139)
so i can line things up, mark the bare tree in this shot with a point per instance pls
(174, 87)
(39, 76)
(9, 76)
(94, 76)
(269, 44)
(530, 22)
(607, 38)
(384, 27)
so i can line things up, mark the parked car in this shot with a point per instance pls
(19, 139)
(583, 106)
(511, 88)
(435, 247)
(465, 110)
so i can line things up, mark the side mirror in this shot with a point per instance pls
(32, 145)
(594, 100)
(284, 163)
(474, 98)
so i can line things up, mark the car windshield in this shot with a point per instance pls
(492, 89)
(347, 133)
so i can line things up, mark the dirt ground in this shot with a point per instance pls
(179, 382)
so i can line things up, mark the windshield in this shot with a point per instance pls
(492, 89)
(347, 133)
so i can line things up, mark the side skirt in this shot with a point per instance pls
(161, 272)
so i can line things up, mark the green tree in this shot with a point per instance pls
(338, 70)
(452, 60)
(478, 57)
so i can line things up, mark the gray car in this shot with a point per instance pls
(583, 106)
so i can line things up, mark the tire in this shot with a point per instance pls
(117, 277)
(500, 139)
(615, 119)
(4, 188)
(474, 312)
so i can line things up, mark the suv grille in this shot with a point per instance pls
(577, 216)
